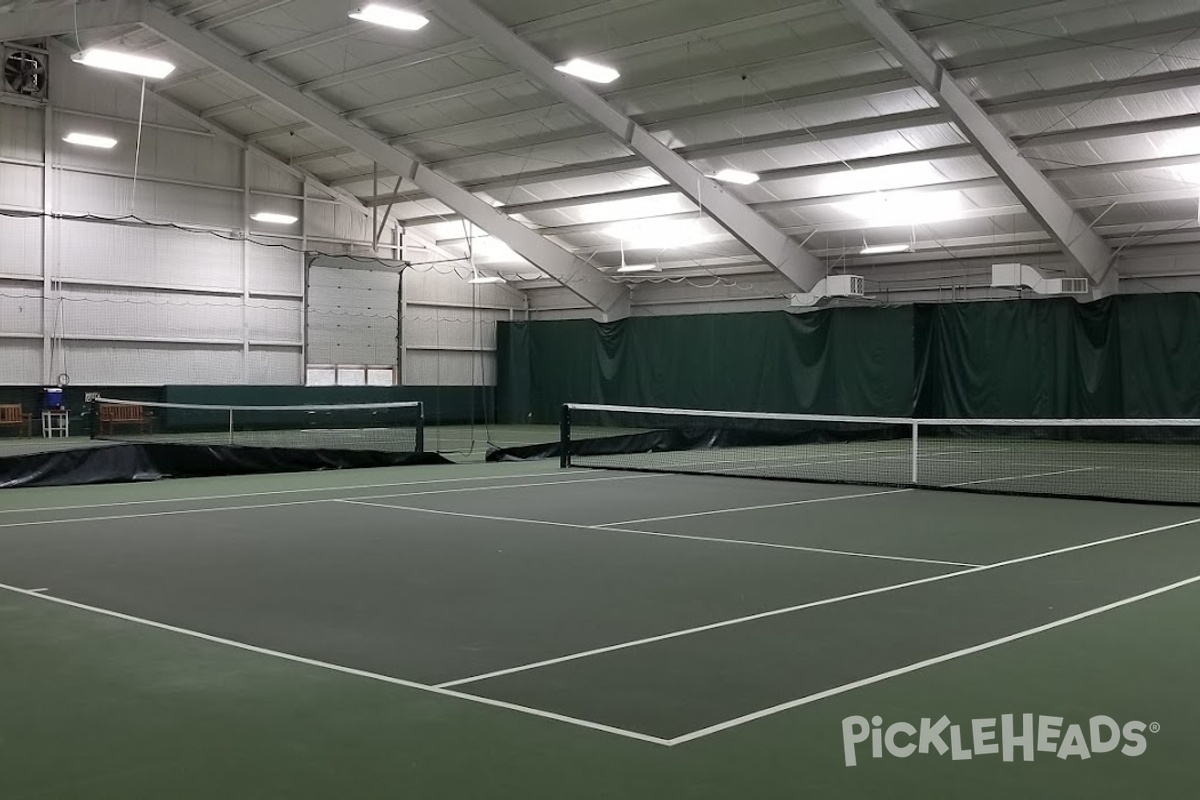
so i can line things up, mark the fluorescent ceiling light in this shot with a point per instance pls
(274, 219)
(582, 68)
(737, 176)
(626, 268)
(487, 279)
(88, 140)
(880, 249)
(658, 233)
(390, 17)
(124, 62)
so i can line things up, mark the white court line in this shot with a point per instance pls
(606, 529)
(805, 606)
(311, 662)
(883, 676)
(753, 508)
(178, 511)
(282, 491)
(1011, 478)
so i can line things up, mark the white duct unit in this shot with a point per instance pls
(830, 287)
(1023, 276)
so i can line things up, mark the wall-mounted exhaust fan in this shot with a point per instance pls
(25, 73)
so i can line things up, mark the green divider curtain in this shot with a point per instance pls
(1126, 356)
(853, 361)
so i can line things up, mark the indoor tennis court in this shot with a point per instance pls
(599, 399)
(595, 620)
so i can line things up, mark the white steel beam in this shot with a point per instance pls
(800, 268)
(36, 22)
(570, 271)
(1090, 257)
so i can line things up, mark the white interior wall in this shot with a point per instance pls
(128, 303)
(449, 326)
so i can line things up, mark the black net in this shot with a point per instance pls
(383, 427)
(1134, 460)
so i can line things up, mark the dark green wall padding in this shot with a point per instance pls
(1126, 356)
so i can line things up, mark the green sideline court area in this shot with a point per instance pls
(521, 631)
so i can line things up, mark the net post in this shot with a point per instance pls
(93, 417)
(420, 444)
(564, 437)
(915, 445)
(231, 426)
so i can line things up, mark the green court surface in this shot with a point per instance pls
(519, 631)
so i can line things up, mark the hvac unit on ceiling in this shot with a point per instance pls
(26, 72)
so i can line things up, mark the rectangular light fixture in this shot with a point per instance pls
(478, 279)
(582, 68)
(124, 62)
(390, 17)
(273, 218)
(736, 176)
(627, 268)
(89, 140)
(881, 249)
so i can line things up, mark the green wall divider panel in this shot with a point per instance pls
(855, 361)
(1125, 356)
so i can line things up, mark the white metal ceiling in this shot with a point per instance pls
(796, 91)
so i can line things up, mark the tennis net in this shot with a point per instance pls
(1141, 460)
(382, 427)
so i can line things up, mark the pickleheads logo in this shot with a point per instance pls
(1027, 734)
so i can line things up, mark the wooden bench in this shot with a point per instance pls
(13, 416)
(113, 415)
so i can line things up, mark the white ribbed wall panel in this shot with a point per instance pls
(444, 368)
(275, 320)
(20, 186)
(20, 308)
(275, 269)
(81, 193)
(276, 366)
(151, 364)
(20, 246)
(165, 154)
(265, 177)
(149, 256)
(352, 315)
(428, 327)
(20, 362)
(21, 132)
(137, 314)
(325, 220)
